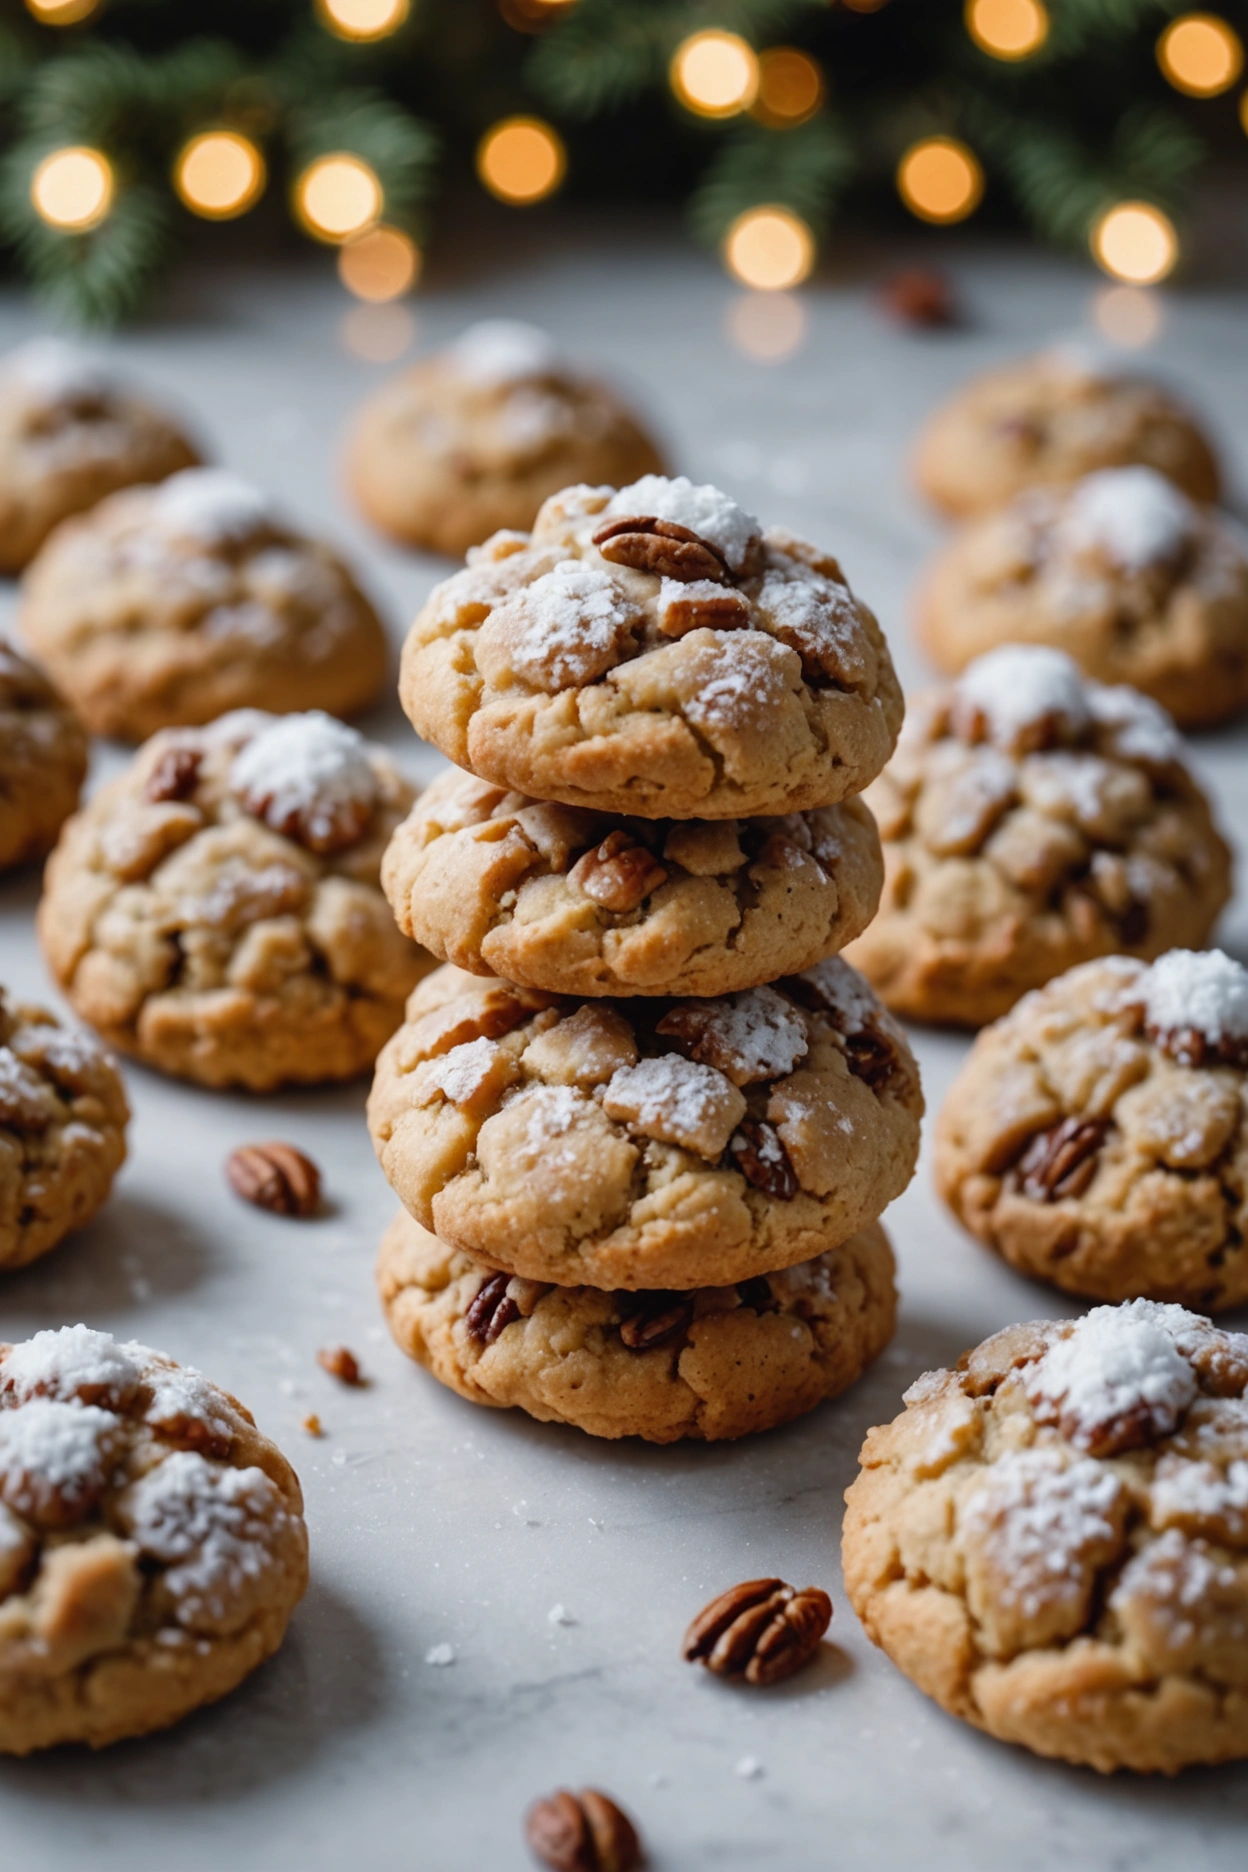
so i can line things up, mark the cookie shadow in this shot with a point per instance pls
(327, 1679)
(135, 1251)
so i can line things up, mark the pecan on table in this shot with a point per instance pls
(276, 1177)
(619, 874)
(1061, 1162)
(649, 544)
(654, 1319)
(492, 1311)
(583, 1832)
(340, 1364)
(758, 1152)
(761, 1630)
(174, 776)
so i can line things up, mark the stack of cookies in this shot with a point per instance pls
(644, 1122)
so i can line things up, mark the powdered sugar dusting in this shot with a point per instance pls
(1205, 990)
(214, 1527)
(57, 372)
(73, 1361)
(1038, 1518)
(1134, 516)
(1140, 728)
(576, 621)
(677, 1100)
(209, 505)
(308, 768)
(51, 1448)
(1119, 1374)
(847, 993)
(704, 509)
(752, 1036)
(1021, 685)
(502, 351)
(463, 1071)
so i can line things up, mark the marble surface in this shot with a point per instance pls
(560, 1570)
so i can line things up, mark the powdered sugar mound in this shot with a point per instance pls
(307, 768)
(1141, 729)
(502, 351)
(214, 1527)
(576, 620)
(1118, 1378)
(1204, 990)
(73, 1361)
(209, 505)
(1134, 516)
(1040, 1519)
(705, 510)
(676, 1100)
(56, 372)
(182, 1397)
(49, 1449)
(1021, 685)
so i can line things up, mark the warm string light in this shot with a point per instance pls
(72, 189)
(714, 73)
(1007, 29)
(790, 88)
(940, 180)
(61, 12)
(219, 174)
(1243, 112)
(1135, 242)
(338, 196)
(382, 264)
(363, 20)
(1200, 54)
(769, 248)
(521, 160)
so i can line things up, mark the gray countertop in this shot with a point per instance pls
(436, 1524)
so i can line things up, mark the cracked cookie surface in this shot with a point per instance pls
(1096, 1136)
(643, 1143)
(43, 760)
(217, 910)
(1032, 820)
(69, 435)
(651, 652)
(152, 1543)
(585, 903)
(63, 1117)
(1123, 572)
(167, 606)
(1052, 1540)
(711, 1363)
(477, 436)
(1048, 420)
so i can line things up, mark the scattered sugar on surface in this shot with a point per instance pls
(56, 371)
(213, 1527)
(761, 1032)
(705, 510)
(1203, 989)
(46, 1444)
(503, 351)
(305, 766)
(1118, 1362)
(1019, 685)
(71, 1359)
(1038, 1516)
(1135, 516)
(210, 505)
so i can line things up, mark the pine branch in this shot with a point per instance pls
(97, 278)
(401, 148)
(806, 169)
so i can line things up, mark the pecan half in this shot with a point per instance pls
(583, 1832)
(872, 1057)
(719, 609)
(649, 544)
(761, 1630)
(1061, 1162)
(654, 1319)
(276, 1177)
(340, 1364)
(618, 874)
(174, 776)
(759, 1154)
(491, 1311)
(1190, 1047)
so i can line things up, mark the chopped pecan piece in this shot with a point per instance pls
(618, 874)
(1061, 1162)
(759, 1154)
(761, 1630)
(872, 1056)
(174, 776)
(653, 1319)
(491, 1311)
(702, 606)
(663, 547)
(750, 1037)
(276, 1177)
(1190, 1047)
(340, 1364)
(918, 296)
(583, 1832)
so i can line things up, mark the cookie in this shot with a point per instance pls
(652, 652)
(585, 904)
(167, 606)
(711, 1363)
(63, 1116)
(69, 435)
(1047, 421)
(1097, 1138)
(216, 911)
(1124, 573)
(478, 435)
(152, 1542)
(1032, 820)
(1052, 1540)
(642, 1143)
(43, 760)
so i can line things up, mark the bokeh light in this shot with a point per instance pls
(769, 248)
(338, 196)
(219, 174)
(1200, 54)
(363, 19)
(767, 326)
(377, 333)
(521, 160)
(940, 180)
(790, 87)
(382, 264)
(61, 12)
(1007, 29)
(1135, 242)
(1128, 315)
(72, 188)
(715, 74)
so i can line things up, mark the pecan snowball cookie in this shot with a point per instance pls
(1052, 1539)
(63, 1116)
(1096, 1137)
(1123, 572)
(477, 436)
(152, 1543)
(646, 1144)
(653, 652)
(1032, 820)
(43, 760)
(217, 912)
(709, 1363)
(69, 435)
(582, 903)
(166, 606)
(1047, 421)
